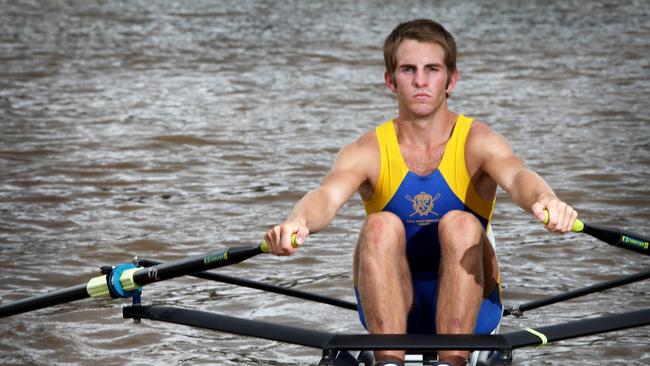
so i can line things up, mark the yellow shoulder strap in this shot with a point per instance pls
(454, 170)
(392, 171)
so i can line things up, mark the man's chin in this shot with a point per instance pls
(422, 111)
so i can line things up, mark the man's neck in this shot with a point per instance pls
(427, 130)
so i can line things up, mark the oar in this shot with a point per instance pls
(126, 280)
(262, 286)
(598, 287)
(616, 237)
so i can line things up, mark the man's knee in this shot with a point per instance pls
(382, 242)
(459, 229)
(459, 221)
(381, 228)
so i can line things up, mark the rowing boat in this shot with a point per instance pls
(127, 279)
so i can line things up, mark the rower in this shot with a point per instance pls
(424, 262)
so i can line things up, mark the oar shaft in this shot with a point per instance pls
(263, 287)
(616, 237)
(194, 264)
(619, 238)
(134, 278)
(602, 286)
(198, 263)
(42, 301)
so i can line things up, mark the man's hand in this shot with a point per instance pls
(561, 216)
(279, 237)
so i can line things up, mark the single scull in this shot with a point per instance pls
(127, 279)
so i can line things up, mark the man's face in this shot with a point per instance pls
(420, 80)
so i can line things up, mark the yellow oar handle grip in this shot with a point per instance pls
(265, 246)
(577, 227)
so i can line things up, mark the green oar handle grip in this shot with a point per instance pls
(577, 227)
(265, 246)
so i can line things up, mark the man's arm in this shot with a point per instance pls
(314, 211)
(525, 187)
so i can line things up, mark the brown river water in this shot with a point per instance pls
(166, 129)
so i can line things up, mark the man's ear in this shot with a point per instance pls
(452, 82)
(389, 79)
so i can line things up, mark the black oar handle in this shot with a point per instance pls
(199, 263)
(193, 265)
(616, 237)
(619, 238)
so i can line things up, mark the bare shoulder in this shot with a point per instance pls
(483, 140)
(363, 148)
(367, 141)
(486, 150)
(359, 162)
(480, 129)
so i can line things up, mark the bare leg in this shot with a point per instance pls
(382, 277)
(468, 272)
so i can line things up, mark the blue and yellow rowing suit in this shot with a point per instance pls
(420, 202)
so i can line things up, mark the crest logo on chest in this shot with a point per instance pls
(423, 203)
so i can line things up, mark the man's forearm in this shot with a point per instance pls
(315, 210)
(528, 187)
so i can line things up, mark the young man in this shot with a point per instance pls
(428, 179)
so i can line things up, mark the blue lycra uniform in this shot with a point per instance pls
(420, 202)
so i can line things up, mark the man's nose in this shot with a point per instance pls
(420, 79)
